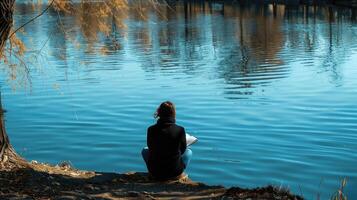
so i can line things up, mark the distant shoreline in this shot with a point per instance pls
(345, 3)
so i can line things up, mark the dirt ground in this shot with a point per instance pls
(43, 181)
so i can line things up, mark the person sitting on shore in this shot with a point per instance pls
(166, 155)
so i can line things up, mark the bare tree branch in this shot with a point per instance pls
(33, 19)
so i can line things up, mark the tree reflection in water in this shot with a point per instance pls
(243, 44)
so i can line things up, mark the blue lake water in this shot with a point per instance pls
(271, 92)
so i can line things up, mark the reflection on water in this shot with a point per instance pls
(268, 89)
(245, 41)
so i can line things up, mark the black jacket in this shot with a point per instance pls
(166, 142)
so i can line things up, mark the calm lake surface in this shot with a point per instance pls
(270, 91)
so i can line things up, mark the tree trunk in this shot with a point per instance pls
(4, 139)
(8, 157)
(6, 12)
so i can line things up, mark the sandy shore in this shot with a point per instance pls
(43, 181)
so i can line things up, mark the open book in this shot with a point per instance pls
(190, 139)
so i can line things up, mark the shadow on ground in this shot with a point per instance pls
(41, 181)
(32, 184)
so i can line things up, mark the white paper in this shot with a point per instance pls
(190, 139)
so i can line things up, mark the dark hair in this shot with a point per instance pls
(165, 110)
